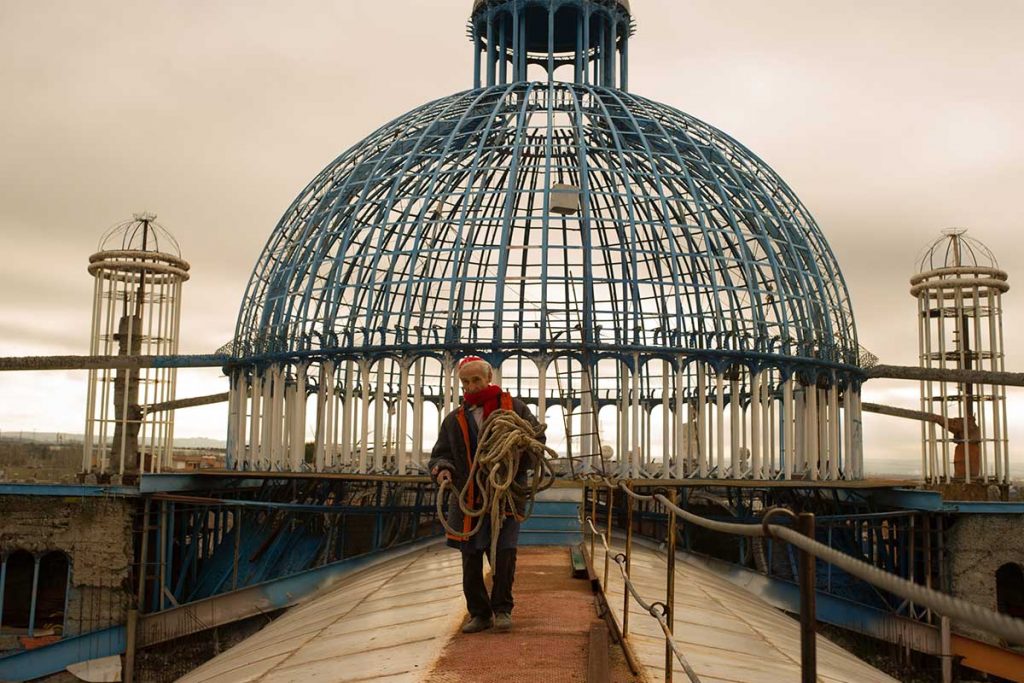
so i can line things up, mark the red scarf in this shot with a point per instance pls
(489, 397)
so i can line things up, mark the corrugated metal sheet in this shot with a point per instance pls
(388, 623)
(392, 621)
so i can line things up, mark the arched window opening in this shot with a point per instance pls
(1010, 589)
(17, 606)
(52, 593)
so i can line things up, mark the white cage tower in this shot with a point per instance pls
(959, 291)
(138, 273)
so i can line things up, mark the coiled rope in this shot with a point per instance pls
(507, 443)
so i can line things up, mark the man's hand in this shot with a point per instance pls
(441, 476)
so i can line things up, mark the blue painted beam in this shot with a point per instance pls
(167, 483)
(66, 490)
(51, 659)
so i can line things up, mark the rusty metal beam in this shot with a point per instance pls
(185, 403)
(1009, 379)
(902, 412)
(26, 363)
(989, 659)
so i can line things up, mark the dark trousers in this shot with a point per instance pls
(477, 601)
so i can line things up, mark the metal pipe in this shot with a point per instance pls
(3, 583)
(238, 541)
(35, 596)
(629, 558)
(947, 651)
(808, 613)
(610, 500)
(491, 51)
(670, 588)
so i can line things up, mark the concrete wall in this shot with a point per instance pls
(977, 546)
(95, 533)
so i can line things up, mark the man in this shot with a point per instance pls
(450, 461)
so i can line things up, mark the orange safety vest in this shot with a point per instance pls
(460, 415)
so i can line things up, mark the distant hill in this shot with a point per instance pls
(64, 437)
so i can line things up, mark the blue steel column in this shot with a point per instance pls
(490, 50)
(3, 582)
(67, 599)
(586, 45)
(578, 64)
(35, 590)
(503, 50)
(517, 72)
(551, 44)
(611, 53)
(525, 69)
(624, 60)
(476, 56)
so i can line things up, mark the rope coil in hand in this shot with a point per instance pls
(507, 443)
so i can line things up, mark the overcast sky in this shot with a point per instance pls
(891, 119)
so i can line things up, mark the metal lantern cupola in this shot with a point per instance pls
(653, 289)
(959, 289)
(589, 37)
(138, 273)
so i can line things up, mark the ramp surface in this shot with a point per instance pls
(386, 623)
(726, 634)
(550, 635)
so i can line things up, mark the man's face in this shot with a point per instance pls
(474, 377)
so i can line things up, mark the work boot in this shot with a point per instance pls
(502, 621)
(477, 624)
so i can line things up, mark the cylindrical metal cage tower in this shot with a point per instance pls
(138, 274)
(648, 285)
(959, 289)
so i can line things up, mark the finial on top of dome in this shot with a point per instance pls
(590, 37)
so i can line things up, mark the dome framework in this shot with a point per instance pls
(653, 289)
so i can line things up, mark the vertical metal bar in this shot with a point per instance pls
(517, 72)
(624, 60)
(35, 596)
(163, 555)
(670, 579)
(593, 518)
(586, 44)
(503, 50)
(238, 542)
(808, 612)
(491, 51)
(947, 651)
(3, 583)
(143, 553)
(608, 533)
(129, 650)
(629, 560)
(476, 56)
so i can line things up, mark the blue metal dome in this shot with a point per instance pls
(530, 217)
(623, 263)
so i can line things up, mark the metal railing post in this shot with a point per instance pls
(670, 588)
(629, 554)
(593, 518)
(947, 650)
(808, 613)
(608, 533)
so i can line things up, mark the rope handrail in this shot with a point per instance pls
(1006, 627)
(651, 608)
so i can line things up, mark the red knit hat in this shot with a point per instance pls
(470, 359)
